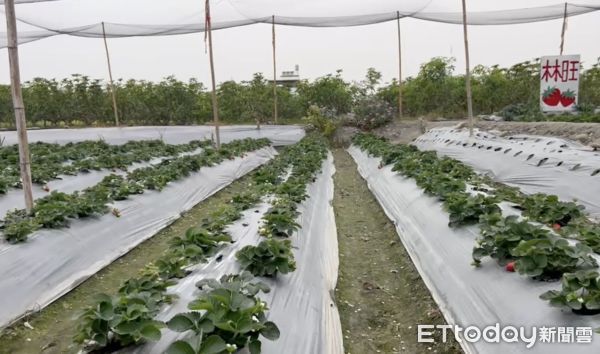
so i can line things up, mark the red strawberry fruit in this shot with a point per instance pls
(556, 227)
(510, 267)
(567, 98)
(551, 96)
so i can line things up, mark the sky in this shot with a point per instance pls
(242, 51)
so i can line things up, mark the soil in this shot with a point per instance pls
(585, 133)
(54, 327)
(380, 295)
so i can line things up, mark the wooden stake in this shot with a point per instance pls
(274, 76)
(564, 29)
(111, 85)
(399, 68)
(215, 106)
(19, 107)
(468, 70)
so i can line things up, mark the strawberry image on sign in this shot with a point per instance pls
(551, 96)
(567, 98)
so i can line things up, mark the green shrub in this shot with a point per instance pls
(316, 119)
(371, 112)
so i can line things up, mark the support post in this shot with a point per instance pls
(275, 118)
(564, 29)
(19, 107)
(468, 70)
(215, 106)
(111, 84)
(399, 68)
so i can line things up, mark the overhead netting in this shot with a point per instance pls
(38, 19)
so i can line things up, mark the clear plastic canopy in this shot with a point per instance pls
(38, 19)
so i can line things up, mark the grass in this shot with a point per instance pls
(380, 295)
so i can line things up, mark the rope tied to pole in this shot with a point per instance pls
(206, 25)
(564, 29)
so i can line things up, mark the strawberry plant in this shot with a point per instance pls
(216, 326)
(232, 317)
(294, 190)
(198, 243)
(222, 217)
(503, 192)
(280, 221)
(390, 156)
(170, 267)
(150, 282)
(270, 257)
(499, 236)
(439, 185)
(465, 209)
(589, 235)
(88, 204)
(454, 168)
(57, 209)
(49, 161)
(17, 225)
(580, 293)
(268, 175)
(3, 185)
(115, 187)
(548, 209)
(549, 258)
(53, 210)
(245, 200)
(116, 322)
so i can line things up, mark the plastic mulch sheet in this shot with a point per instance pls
(278, 134)
(535, 164)
(467, 296)
(13, 199)
(52, 262)
(301, 303)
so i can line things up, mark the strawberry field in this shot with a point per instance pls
(467, 234)
(498, 229)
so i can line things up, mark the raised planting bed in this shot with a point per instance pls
(51, 161)
(275, 311)
(442, 209)
(535, 164)
(54, 261)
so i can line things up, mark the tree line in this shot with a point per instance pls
(436, 91)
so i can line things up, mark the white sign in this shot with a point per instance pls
(559, 83)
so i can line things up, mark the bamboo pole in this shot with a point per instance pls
(468, 70)
(274, 75)
(19, 107)
(564, 29)
(399, 68)
(111, 83)
(215, 106)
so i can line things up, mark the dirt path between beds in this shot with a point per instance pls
(54, 327)
(380, 295)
